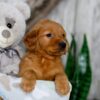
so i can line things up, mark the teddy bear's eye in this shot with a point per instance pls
(9, 25)
(10, 22)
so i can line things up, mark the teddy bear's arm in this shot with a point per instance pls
(12, 69)
(21, 50)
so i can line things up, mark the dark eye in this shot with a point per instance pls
(9, 25)
(10, 22)
(63, 35)
(49, 35)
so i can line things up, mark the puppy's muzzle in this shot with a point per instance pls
(62, 45)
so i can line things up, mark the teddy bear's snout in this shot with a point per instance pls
(6, 34)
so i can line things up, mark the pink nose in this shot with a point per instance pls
(6, 34)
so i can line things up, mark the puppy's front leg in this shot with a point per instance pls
(62, 85)
(28, 81)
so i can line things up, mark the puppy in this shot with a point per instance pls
(45, 44)
(1, 98)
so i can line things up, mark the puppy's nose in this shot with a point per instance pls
(6, 34)
(62, 45)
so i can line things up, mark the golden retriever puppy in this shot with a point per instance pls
(45, 44)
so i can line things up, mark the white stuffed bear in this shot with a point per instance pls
(13, 16)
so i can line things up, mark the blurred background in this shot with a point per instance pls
(77, 17)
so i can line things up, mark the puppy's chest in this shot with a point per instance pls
(48, 69)
(47, 64)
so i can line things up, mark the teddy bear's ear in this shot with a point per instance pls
(23, 8)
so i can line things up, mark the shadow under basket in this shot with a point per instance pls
(44, 90)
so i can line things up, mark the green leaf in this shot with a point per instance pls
(75, 85)
(85, 74)
(70, 66)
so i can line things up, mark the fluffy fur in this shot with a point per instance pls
(43, 58)
(13, 16)
(16, 14)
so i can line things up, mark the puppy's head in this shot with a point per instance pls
(47, 36)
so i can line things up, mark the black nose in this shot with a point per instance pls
(62, 45)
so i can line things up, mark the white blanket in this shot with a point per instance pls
(44, 90)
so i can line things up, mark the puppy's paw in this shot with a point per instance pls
(27, 85)
(62, 88)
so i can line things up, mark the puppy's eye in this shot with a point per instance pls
(49, 35)
(9, 25)
(63, 35)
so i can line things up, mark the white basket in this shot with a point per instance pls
(44, 90)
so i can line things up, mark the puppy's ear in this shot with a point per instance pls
(30, 39)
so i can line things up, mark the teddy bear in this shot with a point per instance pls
(13, 16)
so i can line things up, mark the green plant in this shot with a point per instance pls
(79, 71)
(70, 68)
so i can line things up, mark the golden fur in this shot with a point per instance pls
(43, 58)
